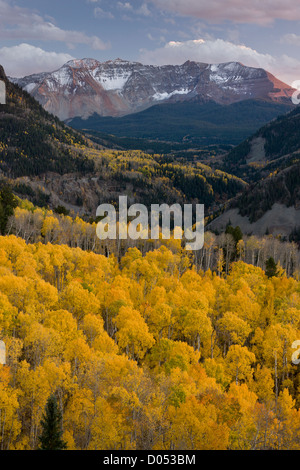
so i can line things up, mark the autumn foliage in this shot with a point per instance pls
(146, 352)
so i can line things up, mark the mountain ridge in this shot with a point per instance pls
(197, 124)
(82, 87)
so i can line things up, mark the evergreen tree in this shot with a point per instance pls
(271, 267)
(235, 232)
(50, 438)
(8, 203)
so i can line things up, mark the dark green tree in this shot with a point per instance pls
(8, 203)
(271, 267)
(61, 210)
(51, 436)
(235, 232)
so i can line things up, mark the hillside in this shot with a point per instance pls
(145, 179)
(273, 146)
(189, 123)
(33, 141)
(270, 162)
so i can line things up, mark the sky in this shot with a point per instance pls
(41, 35)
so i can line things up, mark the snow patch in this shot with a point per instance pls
(62, 77)
(224, 72)
(30, 87)
(164, 96)
(218, 78)
(231, 66)
(115, 81)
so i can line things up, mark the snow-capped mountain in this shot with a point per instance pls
(117, 88)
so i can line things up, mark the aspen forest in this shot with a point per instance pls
(147, 351)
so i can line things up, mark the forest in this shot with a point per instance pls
(60, 226)
(147, 351)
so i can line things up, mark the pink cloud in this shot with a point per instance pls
(22, 23)
(241, 11)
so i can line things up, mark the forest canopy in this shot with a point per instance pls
(147, 352)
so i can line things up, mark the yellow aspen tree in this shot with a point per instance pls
(133, 336)
(10, 425)
(239, 362)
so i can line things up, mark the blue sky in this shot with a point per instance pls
(40, 35)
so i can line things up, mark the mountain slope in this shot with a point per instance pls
(269, 149)
(270, 162)
(32, 141)
(117, 88)
(199, 124)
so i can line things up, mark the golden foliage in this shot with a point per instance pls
(147, 353)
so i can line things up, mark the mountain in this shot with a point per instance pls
(270, 162)
(81, 88)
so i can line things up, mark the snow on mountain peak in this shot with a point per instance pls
(112, 81)
(118, 87)
(82, 63)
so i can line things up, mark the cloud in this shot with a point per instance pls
(28, 59)
(241, 11)
(292, 39)
(214, 51)
(22, 23)
(125, 6)
(143, 10)
(99, 13)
